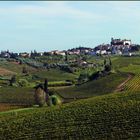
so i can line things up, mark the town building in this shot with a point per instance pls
(119, 42)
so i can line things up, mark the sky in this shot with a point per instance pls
(61, 25)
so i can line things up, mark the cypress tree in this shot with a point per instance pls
(46, 85)
(66, 56)
(104, 62)
(110, 61)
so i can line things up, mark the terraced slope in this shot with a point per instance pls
(114, 116)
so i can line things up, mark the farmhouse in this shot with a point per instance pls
(25, 55)
(101, 52)
(56, 52)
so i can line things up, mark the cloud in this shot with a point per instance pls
(51, 10)
(124, 8)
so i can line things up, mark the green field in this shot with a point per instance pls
(98, 87)
(54, 75)
(14, 67)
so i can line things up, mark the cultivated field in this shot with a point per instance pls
(112, 116)
(104, 115)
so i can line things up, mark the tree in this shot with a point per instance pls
(104, 62)
(13, 80)
(40, 96)
(95, 76)
(66, 56)
(24, 70)
(110, 62)
(14, 55)
(20, 62)
(83, 78)
(135, 48)
(46, 86)
(107, 68)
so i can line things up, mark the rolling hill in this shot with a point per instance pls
(104, 115)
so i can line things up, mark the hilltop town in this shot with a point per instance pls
(115, 47)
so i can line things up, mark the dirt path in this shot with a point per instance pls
(121, 86)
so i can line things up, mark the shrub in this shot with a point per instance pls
(55, 100)
(107, 68)
(23, 83)
(40, 96)
(61, 83)
(94, 76)
(83, 77)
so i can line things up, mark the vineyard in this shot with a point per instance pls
(134, 83)
(19, 96)
(107, 117)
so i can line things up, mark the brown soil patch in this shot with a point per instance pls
(4, 72)
(17, 63)
(6, 106)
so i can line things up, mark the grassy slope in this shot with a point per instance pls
(15, 67)
(102, 86)
(106, 84)
(97, 87)
(25, 95)
(55, 75)
(113, 116)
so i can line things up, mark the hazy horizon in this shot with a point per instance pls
(60, 25)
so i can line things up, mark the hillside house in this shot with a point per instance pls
(127, 54)
(71, 52)
(92, 53)
(61, 53)
(56, 52)
(101, 52)
(40, 53)
(25, 55)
